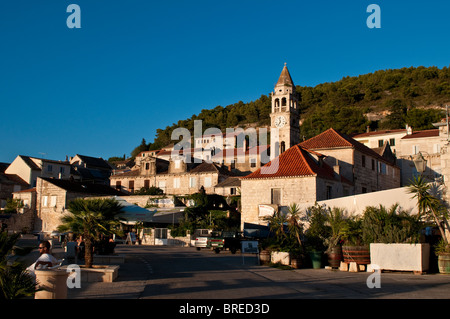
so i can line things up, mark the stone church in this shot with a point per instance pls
(327, 166)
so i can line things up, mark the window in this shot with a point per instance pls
(131, 186)
(176, 182)
(61, 170)
(253, 162)
(192, 181)
(364, 190)
(45, 201)
(162, 184)
(233, 191)
(380, 143)
(177, 164)
(49, 168)
(161, 233)
(147, 166)
(382, 168)
(53, 201)
(146, 183)
(363, 161)
(207, 182)
(275, 196)
(373, 164)
(392, 142)
(118, 185)
(436, 148)
(329, 192)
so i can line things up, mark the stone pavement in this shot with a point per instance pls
(136, 279)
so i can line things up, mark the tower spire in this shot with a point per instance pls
(285, 77)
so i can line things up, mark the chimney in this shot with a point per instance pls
(408, 129)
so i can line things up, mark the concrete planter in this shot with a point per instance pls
(283, 258)
(52, 283)
(401, 257)
(98, 273)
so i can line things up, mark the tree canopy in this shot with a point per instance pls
(342, 105)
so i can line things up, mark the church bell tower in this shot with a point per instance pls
(285, 115)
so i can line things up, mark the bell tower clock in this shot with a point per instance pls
(285, 115)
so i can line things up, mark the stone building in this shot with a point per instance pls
(49, 199)
(408, 145)
(9, 183)
(364, 167)
(91, 169)
(298, 175)
(178, 176)
(30, 168)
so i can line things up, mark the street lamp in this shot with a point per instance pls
(420, 162)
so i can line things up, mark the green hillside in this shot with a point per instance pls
(415, 96)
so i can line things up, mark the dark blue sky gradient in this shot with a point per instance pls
(138, 65)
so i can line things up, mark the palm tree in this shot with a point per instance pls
(91, 218)
(15, 282)
(335, 219)
(427, 203)
(294, 225)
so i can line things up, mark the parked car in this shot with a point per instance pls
(201, 238)
(201, 242)
(224, 241)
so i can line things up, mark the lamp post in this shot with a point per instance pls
(420, 163)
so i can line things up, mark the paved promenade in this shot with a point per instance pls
(139, 278)
(151, 272)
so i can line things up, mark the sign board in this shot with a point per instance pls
(265, 210)
(249, 247)
(131, 238)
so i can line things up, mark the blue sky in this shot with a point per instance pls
(139, 65)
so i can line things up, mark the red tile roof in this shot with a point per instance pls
(420, 134)
(235, 152)
(296, 161)
(332, 139)
(374, 133)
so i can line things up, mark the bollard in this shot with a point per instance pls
(53, 284)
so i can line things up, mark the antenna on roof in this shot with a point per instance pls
(42, 154)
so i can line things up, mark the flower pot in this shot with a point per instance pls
(444, 263)
(264, 257)
(335, 257)
(358, 254)
(297, 262)
(316, 259)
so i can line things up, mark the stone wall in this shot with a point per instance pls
(258, 191)
(23, 221)
(168, 184)
(148, 238)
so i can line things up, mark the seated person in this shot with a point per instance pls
(45, 260)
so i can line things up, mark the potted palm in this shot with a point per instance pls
(286, 244)
(394, 237)
(335, 219)
(353, 248)
(295, 227)
(443, 253)
(92, 218)
(430, 207)
(316, 234)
